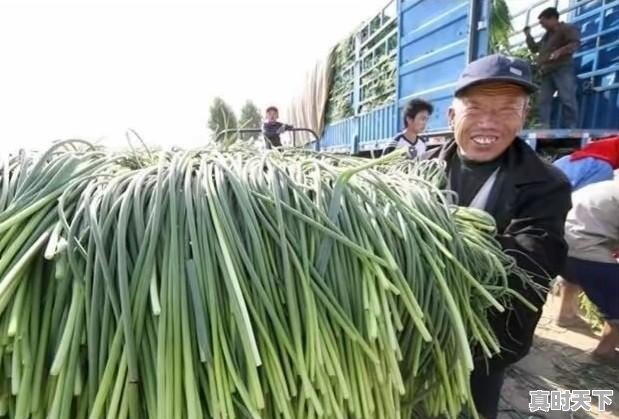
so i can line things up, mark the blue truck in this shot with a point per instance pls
(432, 40)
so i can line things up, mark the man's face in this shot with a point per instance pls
(486, 119)
(418, 124)
(547, 23)
(272, 116)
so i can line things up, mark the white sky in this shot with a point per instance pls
(92, 69)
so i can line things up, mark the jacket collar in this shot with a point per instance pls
(522, 163)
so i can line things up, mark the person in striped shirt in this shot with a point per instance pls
(416, 116)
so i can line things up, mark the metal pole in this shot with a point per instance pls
(472, 44)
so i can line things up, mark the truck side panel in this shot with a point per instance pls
(433, 47)
(434, 36)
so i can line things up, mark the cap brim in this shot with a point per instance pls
(528, 87)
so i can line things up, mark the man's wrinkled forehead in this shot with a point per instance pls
(493, 90)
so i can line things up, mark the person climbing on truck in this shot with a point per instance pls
(592, 233)
(272, 128)
(416, 116)
(556, 67)
(492, 169)
(595, 162)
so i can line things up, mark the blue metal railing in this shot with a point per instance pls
(370, 42)
(362, 132)
(597, 61)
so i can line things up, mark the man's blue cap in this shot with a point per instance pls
(496, 68)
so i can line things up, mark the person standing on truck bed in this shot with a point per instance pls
(416, 116)
(491, 169)
(272, 128)
(556, 66)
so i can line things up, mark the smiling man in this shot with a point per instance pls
(490, 168)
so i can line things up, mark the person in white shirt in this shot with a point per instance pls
(416, 116)
(592, 233)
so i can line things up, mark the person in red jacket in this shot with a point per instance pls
(595, 162)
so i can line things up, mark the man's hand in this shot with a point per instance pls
(527, 31)
(284, 128)
(554, 55)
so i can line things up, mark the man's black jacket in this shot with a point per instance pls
(529, 203)
(272, 130)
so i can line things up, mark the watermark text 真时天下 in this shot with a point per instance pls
(569, 400)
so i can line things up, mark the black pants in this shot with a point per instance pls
(486, 389)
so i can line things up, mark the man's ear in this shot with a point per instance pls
(525, 112)
(451, 114)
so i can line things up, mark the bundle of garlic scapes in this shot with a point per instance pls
(238, 284)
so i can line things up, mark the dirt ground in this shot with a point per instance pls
(559, 360)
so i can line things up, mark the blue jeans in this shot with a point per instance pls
(599, 281)
(560, 80)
